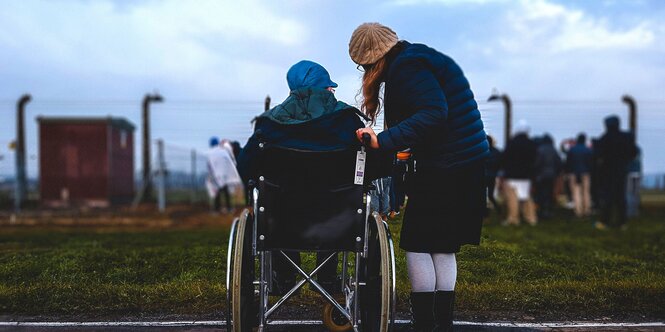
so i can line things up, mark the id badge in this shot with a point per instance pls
(360, 167)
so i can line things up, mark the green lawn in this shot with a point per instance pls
(561, 269)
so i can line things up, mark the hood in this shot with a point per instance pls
(308, 73)
(305, 104)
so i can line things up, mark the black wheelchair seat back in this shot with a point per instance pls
(308, 201)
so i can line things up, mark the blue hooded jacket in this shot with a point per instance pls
(310, 119)
(308, 74)
(431, 109)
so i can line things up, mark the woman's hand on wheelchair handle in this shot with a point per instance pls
(374, 142)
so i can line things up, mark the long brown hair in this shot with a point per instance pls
(372, 80)
(371, 88)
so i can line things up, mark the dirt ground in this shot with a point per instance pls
(143, 216)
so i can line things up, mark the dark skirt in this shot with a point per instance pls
(445, 209)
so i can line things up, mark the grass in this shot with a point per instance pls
(560, 269)
(566, 269)
(64, 272)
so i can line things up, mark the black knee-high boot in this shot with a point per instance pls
(444, 302)
(422, 311)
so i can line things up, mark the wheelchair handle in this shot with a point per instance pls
(367, 139)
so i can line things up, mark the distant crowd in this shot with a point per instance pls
(598, 177)
(601, 175)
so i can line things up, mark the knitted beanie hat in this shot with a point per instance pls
(371, 41)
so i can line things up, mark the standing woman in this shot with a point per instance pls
(429, 108)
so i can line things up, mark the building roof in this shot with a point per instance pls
(113, 121)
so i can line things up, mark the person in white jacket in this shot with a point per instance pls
(222, 174)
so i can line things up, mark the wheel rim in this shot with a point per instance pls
(229, 266)
(376, 301)
(385, 273)
(236, 282)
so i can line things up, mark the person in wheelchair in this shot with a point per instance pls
(310, 118)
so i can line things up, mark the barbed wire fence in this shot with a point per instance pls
(184, 173)
(185, 128)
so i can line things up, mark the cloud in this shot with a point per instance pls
(442, 2)
(201, 44)
(541, 49)
(540, 26)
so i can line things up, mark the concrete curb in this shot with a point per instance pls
(547, 325)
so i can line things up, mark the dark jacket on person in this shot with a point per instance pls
(614, 151)
(310, 119)
(579, 159)
(493, 163)
(548, 163)
(430, 108)
(519, 157)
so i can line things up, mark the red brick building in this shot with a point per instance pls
(86, 161)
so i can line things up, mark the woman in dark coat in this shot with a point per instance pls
(429, 108)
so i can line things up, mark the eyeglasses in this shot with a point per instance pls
(363, 68)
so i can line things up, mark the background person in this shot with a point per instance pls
(518, 165)
(492, 165)
(547, 166)
(633, 185)
(564, 147)
(579, 160)
(222, 175)
(613, 152)
(429, 107)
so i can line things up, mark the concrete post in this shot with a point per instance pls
(21, 181)
(508, 114)
(161, 176)
(266, 106)
(632, 114)
(147, 182)
(193, 187)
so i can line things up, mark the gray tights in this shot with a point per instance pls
(431, 272)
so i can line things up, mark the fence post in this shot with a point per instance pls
(266, 106)
(632, 113)
(508, 114)
(21, 182)
(161, 175)
(193, 187)
(147, 184)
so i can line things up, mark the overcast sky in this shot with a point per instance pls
(566, 64)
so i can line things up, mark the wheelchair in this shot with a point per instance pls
(306, 201)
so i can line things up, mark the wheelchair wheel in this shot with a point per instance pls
(242, 288)
(334, 321)
(378, 293)
(229, 269)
